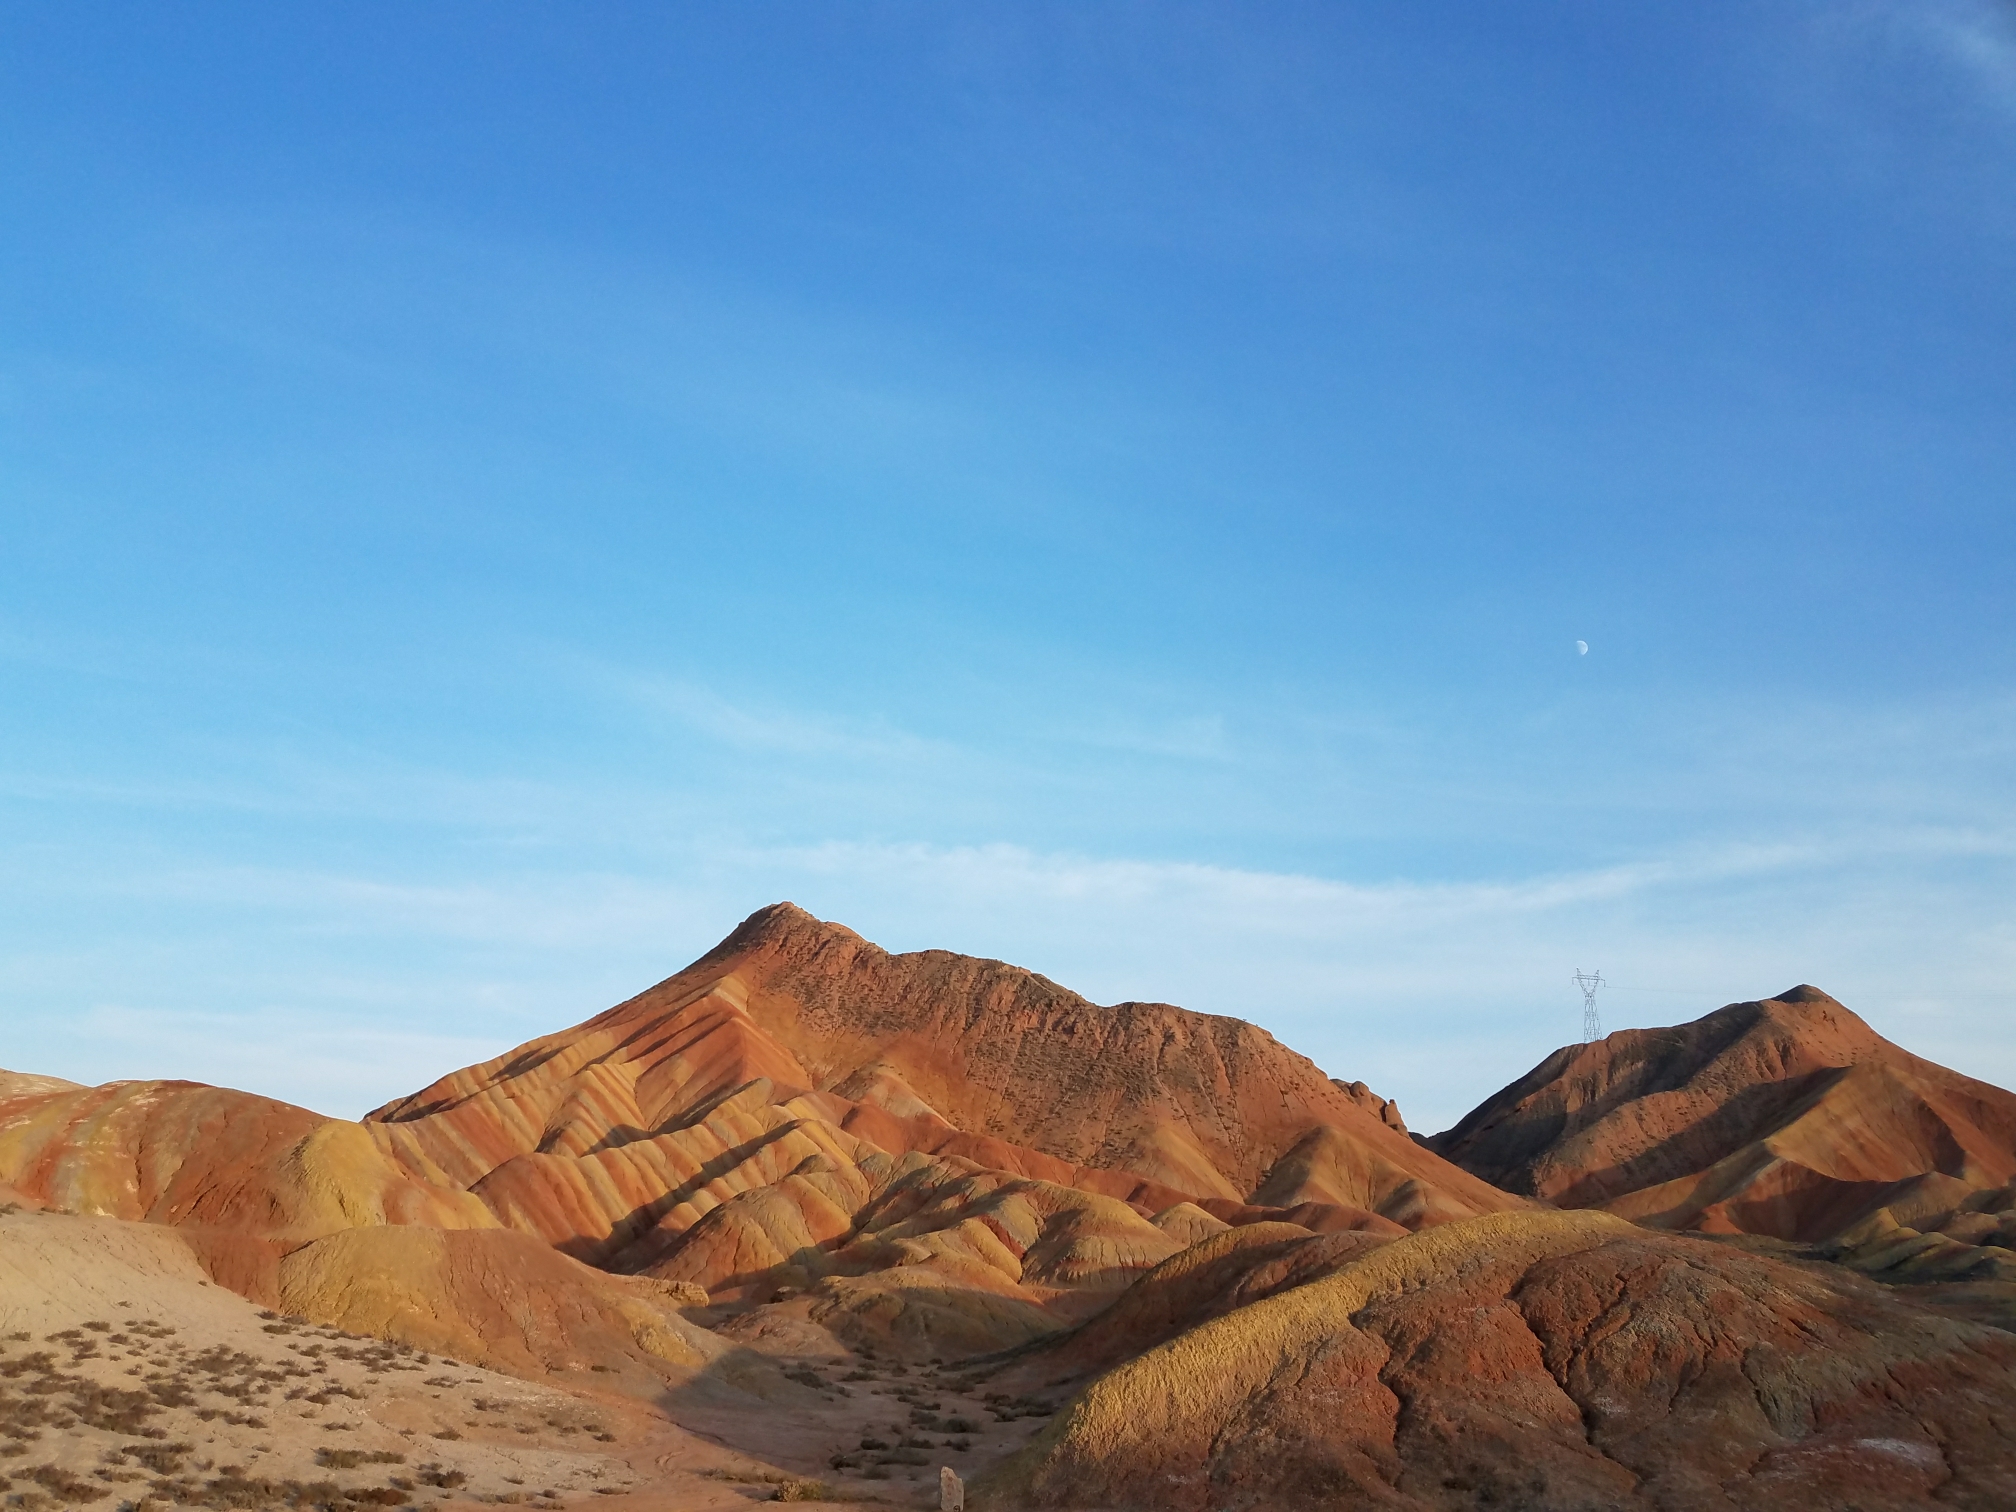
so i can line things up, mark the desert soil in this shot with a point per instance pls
(129, 1380)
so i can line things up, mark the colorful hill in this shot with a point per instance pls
(1788, 1117)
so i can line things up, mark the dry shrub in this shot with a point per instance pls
(74, 1490)
(162, 1459)
(350, 1459)
(233, 1490)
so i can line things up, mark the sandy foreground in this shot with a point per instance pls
(129, 1380)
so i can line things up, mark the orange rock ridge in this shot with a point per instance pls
(778, 1074)
(1787, 1117)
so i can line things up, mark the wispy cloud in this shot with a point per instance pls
(1441, 991)
(754, 726)
(1733, 851)
(1977, 36)
(1435, 991)
(297, 1057)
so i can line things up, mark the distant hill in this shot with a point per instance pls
(1788, 1117)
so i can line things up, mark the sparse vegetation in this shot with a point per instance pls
(350, 1459)
(72, 1489)
(234, 1490)
(1006, 1408)
(162, 1459)
(171, 1397)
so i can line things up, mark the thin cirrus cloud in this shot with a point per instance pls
(1978, 35)
(1114, 493)
(1363, 977)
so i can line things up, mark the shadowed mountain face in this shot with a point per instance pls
(1787, 1117)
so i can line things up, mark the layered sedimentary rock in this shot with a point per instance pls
(206, 1158)
(939, 1053)
(800, 1108)
(1557, 1360)
(502, 1300)
(1243, 1283)
(951, 1153)
(1788, 1117)
(1214, 1276)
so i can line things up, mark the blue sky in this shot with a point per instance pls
(489, 495)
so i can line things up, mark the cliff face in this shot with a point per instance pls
(1788, 1116)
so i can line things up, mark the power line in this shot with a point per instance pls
(1700, 992)
(1592, 1025)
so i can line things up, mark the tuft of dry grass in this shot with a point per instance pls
(350, 1459)
(73, 1490)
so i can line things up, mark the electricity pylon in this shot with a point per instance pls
(1592, 1026)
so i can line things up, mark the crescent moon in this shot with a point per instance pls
(1581, 648)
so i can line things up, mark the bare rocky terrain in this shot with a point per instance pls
(810, 1222)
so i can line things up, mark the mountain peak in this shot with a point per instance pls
(1806, 993)
(782, 925)
(1787, 1116)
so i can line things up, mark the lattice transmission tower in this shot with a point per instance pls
(1592, 1024)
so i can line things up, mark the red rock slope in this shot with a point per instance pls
(798, 1101)
(1788, 1117)
(947, 1152)
(1542, 1360)
(209, 1159)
